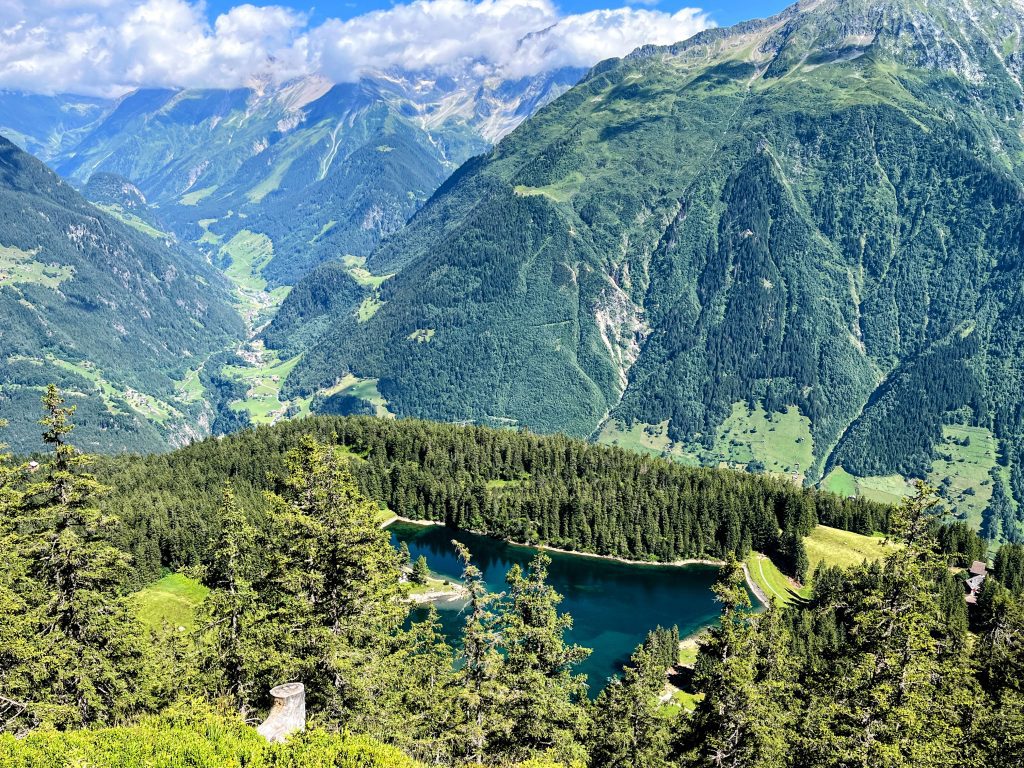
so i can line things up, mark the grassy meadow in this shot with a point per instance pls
(172, 601)
(830, 546)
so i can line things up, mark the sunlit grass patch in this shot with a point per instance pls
(194, 197)
(887, 489)
(773, 582)
(844, 548)
(172, 600)
(18, 266)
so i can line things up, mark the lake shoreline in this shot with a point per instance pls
(450, 595)
(751, 584)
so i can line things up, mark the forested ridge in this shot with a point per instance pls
(884, 664)
(264, 183)
(820, 210)
(555, 490)
(114, 316)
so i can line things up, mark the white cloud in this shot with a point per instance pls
(110, 46)
(586, 38)
(429, 34)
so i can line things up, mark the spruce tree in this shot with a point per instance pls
(334, 585)
(404, 556)
(544, 695)
(481, 698)
(896, 692)
(999, 649)
(735, 723)
(420, 570)
(998, 722)
(419, 712)
(627, 728)
(18, 646)
(1008, 567)
(232, 617)
(800, 561)
(91, 645)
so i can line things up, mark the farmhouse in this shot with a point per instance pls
(978, 571)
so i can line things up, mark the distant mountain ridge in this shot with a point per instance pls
(795, 244)
(322, 169)
(46, 125)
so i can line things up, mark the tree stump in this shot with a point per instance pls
(288, 713)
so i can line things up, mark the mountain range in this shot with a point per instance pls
(792, 245)
(323, 169)
(46, 125)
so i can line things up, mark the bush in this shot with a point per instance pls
(196, 737)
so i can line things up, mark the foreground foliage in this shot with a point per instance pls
(194, 735)
(877, 667)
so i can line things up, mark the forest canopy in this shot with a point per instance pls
(515, 485)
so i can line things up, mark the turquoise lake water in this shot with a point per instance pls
(613, 605)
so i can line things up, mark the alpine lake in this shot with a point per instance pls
(613, 604)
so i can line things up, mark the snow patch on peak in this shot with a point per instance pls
(296, 94)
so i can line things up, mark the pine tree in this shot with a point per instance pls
(480, 695)
(91, 644)
(627, 729)
(420, 570)
(896, 692)
(543, 695)
(735, 723)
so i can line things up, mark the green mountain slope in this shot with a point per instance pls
(118, 319)
(821, 211)
(124, 201)
(323, 170)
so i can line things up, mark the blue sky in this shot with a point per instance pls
(724, 12)
(727, 12)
